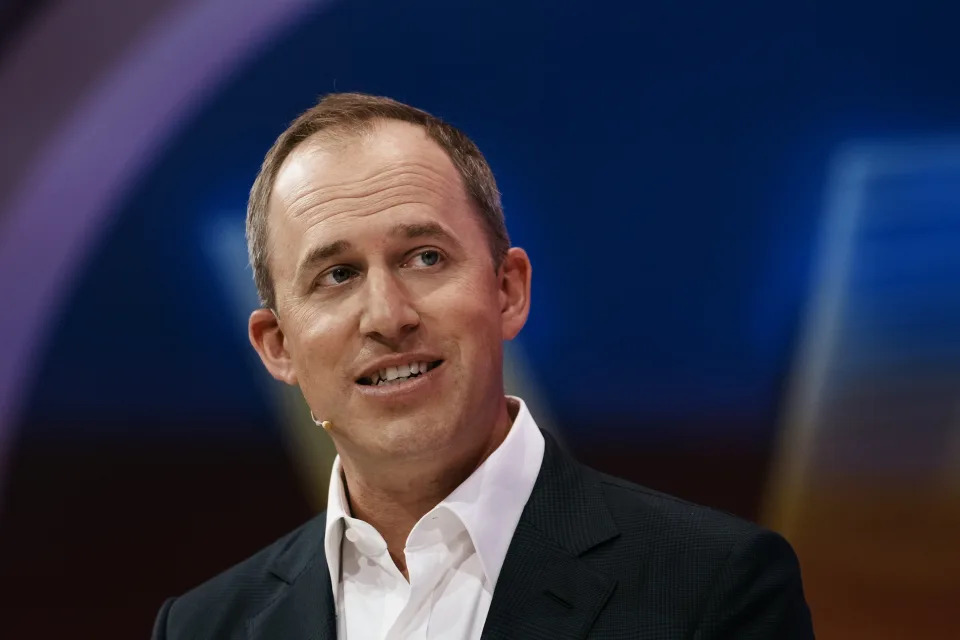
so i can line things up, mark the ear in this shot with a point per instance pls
(514, 279)
(267, 338)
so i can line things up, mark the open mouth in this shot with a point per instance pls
(398, 374)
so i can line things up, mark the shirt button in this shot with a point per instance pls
(352, 535)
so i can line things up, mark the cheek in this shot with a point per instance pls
(471, 315)
(318, 341)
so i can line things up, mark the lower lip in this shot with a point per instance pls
(397, 390)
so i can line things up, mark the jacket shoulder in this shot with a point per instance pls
(700, 568)
(213, 608)
(673, 526)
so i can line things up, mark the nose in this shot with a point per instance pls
(388, 315)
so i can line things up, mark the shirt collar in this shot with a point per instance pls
(488, 503)
(337, 511)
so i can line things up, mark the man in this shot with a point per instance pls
(388, 285)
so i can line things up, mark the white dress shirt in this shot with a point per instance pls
(454, 553)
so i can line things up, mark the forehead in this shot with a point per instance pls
(354, 188)
(337, 172)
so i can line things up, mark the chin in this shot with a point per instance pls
(412, 438)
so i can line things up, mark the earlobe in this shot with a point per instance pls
(515, 277)
(267, 339)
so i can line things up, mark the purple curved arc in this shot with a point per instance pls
(62, 200)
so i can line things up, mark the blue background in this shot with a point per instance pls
(662, 162)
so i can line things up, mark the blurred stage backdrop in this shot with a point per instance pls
(744, 219)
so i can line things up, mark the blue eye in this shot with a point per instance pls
(335, 276)
(340, 274)
(429, 257)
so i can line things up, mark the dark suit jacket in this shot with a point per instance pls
(592, 557)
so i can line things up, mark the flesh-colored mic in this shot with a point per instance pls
(326, 424)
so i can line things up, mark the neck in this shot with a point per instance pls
(393, 495)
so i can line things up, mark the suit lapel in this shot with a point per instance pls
(546, 587)
(304, 607)
(544, 592)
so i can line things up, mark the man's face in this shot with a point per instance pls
(380, 261)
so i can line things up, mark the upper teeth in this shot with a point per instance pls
(402, 371)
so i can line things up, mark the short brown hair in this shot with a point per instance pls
(354, 113)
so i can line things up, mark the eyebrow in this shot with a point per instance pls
(320, 254)
(406, 230)
(422, 230)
